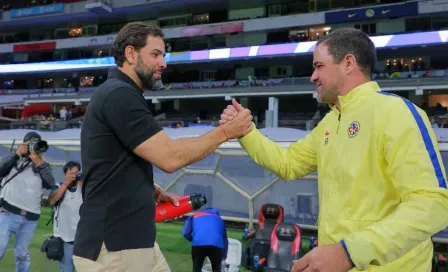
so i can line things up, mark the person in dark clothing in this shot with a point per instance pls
(23, 176)
(207, 232)
(120, 143)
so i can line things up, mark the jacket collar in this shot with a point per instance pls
(355, 95)
(211, 210)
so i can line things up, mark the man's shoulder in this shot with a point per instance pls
(396, 115)
(387, 98)
(111, 91)
(392, 105)
(111, 86)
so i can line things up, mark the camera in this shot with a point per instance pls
(37, 146)
(79, 176)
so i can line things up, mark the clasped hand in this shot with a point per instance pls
(236, 121)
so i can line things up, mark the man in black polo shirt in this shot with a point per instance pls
(120, 140)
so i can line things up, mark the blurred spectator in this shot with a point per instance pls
(207, 232)
(70, 114)
(63, 114)
(434, 122)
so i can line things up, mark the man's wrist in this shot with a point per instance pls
(248, 136)
(225, 134)
(157, 191)
(219, 134)
(347, 253)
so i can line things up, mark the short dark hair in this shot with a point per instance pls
(32, 136)
(134, 34)
(69, 165)
(351, 41)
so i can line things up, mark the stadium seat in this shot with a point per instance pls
(260, 239)
(440, 264)
(286, 243)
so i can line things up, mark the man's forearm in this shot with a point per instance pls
(294, 162)
(57, 195)
(410, 224)
(190, 150)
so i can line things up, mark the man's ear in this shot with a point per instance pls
(350, 63)
(130, 55)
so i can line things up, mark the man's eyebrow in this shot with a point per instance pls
(158, 51)
(316, 63)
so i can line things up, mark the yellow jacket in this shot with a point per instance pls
(381, 180)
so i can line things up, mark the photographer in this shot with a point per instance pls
(24, 174)
(67, 198)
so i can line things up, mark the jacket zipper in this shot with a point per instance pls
(339, 122)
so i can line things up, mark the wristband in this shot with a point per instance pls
(348, 253)
(227, 137)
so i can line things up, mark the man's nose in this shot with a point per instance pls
(163, 64)
(314, 77)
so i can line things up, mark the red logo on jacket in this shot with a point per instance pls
(326, 137)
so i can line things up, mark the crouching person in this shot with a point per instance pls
(207, 232)
(23, 176)
(66, 198)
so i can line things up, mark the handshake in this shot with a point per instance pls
(236, 121)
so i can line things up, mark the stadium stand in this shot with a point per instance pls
(53, 55)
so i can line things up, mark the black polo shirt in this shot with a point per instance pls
(118, 190)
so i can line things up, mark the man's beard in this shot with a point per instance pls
(145, 74)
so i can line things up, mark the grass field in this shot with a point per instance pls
(169, 236)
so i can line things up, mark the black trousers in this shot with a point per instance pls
(198, 254)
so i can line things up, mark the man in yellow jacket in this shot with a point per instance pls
(382, 183)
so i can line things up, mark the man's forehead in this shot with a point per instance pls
(321, 49)
(155, 43)
(321, 53)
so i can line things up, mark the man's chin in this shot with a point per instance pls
(319, 98)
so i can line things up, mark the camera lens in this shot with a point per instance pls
(41, 147)
(79, 176)
(38, 147)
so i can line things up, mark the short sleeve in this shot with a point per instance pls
(54, 188)
(127, 113)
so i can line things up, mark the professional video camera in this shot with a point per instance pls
(37, 146)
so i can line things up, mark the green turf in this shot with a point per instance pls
(169, 236)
